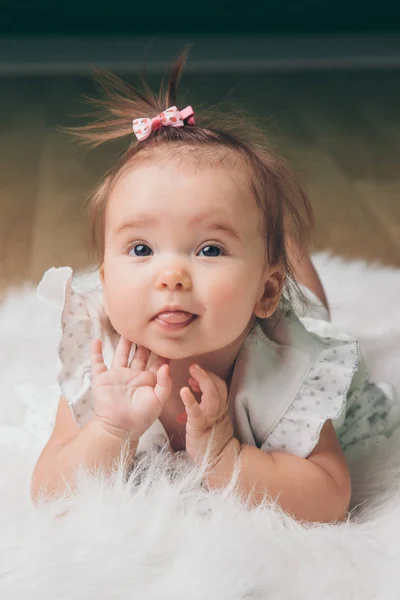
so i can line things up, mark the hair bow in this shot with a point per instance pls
(171, 117)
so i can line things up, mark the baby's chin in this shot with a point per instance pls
(172, 353)
(177, 351)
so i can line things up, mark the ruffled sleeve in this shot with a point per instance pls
(322, 396)
(82, 318)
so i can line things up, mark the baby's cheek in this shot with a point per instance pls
(224, 295)
(232, 297)
(124, 311)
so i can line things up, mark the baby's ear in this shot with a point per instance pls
(271, 295)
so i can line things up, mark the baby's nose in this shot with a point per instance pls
(174, 279)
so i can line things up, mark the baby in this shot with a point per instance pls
(207, 327)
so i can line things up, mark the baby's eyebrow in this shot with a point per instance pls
(135, 225)
(227, 229)
(150, 222)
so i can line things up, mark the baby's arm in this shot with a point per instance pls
(305, 272)
(313, 489)
(93, 446)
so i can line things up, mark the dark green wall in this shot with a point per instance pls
(206, 16)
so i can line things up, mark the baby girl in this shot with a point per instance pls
(205, 326)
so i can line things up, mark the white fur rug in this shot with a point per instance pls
(167, 538)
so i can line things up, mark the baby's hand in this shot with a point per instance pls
(128, 400)
(208, 421)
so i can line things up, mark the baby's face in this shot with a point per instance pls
(182, 240)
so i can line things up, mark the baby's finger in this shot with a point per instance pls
(121, 355)
(139, 360)
(163, 387)
(219, 383)
(194, 385)
(96, 357)
(210, 398)
(196, 418)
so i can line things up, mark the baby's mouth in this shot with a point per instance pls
(176, 317)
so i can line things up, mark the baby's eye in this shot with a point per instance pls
(139, 250)
(212, 251)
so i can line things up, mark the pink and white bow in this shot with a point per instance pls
(171, 117)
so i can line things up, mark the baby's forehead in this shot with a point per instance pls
(181, 182)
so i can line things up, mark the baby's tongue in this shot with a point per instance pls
(177, 316)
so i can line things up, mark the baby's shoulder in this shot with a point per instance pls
(289, 378)
(79, 298)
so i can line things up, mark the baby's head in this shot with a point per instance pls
(191, 220)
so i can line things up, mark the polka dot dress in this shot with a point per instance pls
(322, 396)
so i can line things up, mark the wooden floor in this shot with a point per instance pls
(340, 131)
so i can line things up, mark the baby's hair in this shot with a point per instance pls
(217, 136)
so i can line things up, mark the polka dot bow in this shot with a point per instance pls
(171, 117)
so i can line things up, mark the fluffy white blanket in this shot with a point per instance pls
(167, 538)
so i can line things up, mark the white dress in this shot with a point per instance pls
(293, 373)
